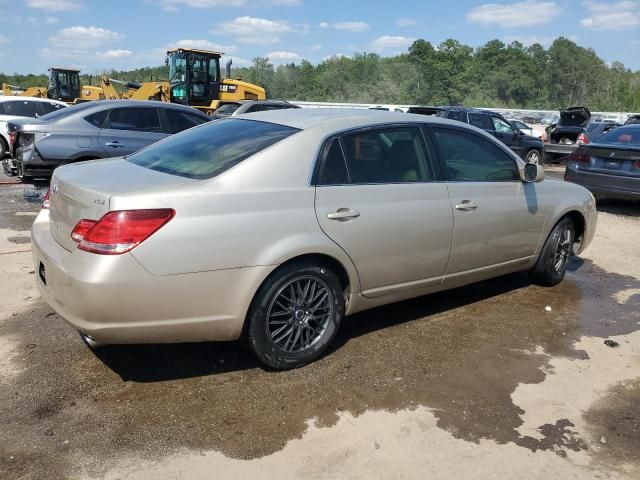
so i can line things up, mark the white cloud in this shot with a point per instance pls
(63, 53)
(54, 5)
(115, 54)
(612, 16)
(51, 20)
(405, 22)
(357, 27)
(390, 42)
(203, 45)
(283, 57)
(86, 37)
(253, 30)
(520, 14)
(174, 5)
(4, 39)
(240, 62)
(335, 56)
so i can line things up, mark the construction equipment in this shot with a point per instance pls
(194, 79)
(64, 85)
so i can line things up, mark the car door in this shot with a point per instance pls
(497, 217)
(507, 134)
(378, 198)
(129, 129)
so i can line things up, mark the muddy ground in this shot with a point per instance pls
(480, 382)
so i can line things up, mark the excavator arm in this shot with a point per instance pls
(38, 92)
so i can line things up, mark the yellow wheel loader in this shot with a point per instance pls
(64, 85)
(195, 80)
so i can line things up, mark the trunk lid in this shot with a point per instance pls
(83, 190)
(574, 117)
(612, 160)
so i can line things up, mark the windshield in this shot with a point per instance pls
(622, 136)
(178, 74)
(206, 151)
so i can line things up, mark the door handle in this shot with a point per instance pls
(343, 214)
(466, 206)
(114, 144)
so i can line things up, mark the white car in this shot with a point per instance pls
(13, 107)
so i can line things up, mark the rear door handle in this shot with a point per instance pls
(114, 144)
(466, 206)
(343, 214)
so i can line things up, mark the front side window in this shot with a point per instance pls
(392, 155)
(138, 119)
(179, 121)
(21, 108)
(211, 149)
(501, 126)
(471, 158)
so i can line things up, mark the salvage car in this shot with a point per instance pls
(610, 166)
(531, 149)
(250, 106)
(93, 130)
(273, 226)
(571, 125)
(14, 107)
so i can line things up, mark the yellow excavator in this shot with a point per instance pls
(64, 85)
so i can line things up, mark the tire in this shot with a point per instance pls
(534, 156)
(3, 148)
(295, 315)
(555, 255)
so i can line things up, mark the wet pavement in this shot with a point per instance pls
(65, 408)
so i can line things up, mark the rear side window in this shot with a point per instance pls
(137, 119)
(97, 119)
(209, 150)
(21, 108)
(457, 115)
(46, 108)
(480, 120)
(392, 155)
(334, 168)
(177, 121)
(471, 158)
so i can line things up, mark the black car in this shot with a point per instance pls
(573, 123)
(94, 130)
(529, 148)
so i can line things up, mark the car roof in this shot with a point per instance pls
(335, 119)
(5, 98)
(100, 105)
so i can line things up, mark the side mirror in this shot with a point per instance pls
(533, 173)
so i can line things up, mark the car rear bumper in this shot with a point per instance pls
(604, 185)
(113, 299)
(36, 166)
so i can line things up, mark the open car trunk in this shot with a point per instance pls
(573, 121)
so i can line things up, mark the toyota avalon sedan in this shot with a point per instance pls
(272, 227)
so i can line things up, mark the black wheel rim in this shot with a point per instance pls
(563, 250)
(299, 314)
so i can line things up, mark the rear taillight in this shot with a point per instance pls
(582, 139)
(121, 231)
(46, 200)
(81, 229)
(579, 156)
(636, 164)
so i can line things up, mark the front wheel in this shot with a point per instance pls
(554, 257)
(295, 315)
(533, 156)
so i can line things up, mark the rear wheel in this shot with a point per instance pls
(555, 255)
(295, 315)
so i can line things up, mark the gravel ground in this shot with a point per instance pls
(480, 382)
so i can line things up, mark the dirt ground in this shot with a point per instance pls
(480, 382)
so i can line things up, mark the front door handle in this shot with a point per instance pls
(466, 206)
(343, 214)
(114, 144)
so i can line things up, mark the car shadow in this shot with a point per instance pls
(627, 208)
(163, 362)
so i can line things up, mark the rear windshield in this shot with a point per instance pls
(622, 136)
(63, 112)
(206, 151)
(228, 108)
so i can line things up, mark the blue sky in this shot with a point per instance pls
(93, 36)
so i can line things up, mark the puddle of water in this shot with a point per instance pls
(461, 353)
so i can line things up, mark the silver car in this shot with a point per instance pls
(274, 226)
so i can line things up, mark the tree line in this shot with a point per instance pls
(451, 73)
